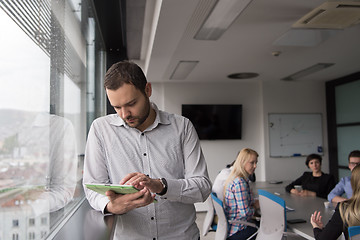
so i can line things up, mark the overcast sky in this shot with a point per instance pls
(25, 72)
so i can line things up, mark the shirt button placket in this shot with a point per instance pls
(146, 168)
(145, 152)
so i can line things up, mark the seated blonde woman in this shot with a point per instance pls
(238, 199)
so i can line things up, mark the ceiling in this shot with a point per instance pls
(161, 33)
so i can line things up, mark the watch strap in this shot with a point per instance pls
(165, 186)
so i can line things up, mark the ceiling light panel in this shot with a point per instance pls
(221, 17)
(307, 71)
(183, 69)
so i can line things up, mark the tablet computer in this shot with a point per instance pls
(102, 188)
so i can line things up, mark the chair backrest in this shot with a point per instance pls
(273, 216)
(222, 225)
(354, 233)
(209, 217)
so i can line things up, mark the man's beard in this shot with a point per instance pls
(140, 120)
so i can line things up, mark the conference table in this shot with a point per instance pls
(90, 224)
(301, 207)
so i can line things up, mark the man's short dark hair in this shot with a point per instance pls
(125, 72)
(311, 157)
(355, 153)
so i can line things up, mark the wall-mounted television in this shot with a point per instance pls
(215, 121)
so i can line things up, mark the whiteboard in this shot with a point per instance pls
(296, 134)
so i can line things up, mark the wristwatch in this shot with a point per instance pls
(164, 183)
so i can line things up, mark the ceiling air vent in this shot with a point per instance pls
(331, 15)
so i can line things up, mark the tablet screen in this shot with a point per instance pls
(102, 188)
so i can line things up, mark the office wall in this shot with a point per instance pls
(293, 97)
(258, 99)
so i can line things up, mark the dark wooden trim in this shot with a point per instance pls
(331, 127)
(343, 80)
(348, 124)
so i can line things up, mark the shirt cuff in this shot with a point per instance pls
(102, 204)
(173, 190)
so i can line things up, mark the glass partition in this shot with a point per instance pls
(44, 75)
(348, 139)
(347, 100)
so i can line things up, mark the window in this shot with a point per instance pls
(15, 223)
(43, 234)
(31, 222)
(44, 221)
(49, 55)
(15, 236)
(31, 236)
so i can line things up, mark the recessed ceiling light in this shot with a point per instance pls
(221, 17)
(307, 71)
(243, 75)
(183, 69)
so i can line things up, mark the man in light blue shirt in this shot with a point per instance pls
(344, 185)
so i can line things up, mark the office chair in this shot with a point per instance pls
(354, 232)
(209, 217)
(273, 217)
(223, 224)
